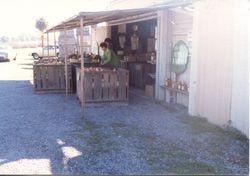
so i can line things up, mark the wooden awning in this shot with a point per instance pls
(114, 17)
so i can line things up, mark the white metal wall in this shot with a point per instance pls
(214, 52)
(240, 87)
(216, 79)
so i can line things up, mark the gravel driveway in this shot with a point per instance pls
(43, 134)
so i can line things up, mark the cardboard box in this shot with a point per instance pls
(149, 90)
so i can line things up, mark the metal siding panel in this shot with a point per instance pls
(240, 87)
(214, 60)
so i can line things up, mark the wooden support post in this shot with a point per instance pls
(82, 64)
(66, 62)
(42, 38)
(48, 43)
(55, 42)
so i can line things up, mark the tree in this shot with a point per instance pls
(41, 25)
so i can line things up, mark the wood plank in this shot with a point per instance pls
(97, 86)
(105, 86)
(39, 77)
(61, 73)
(35, 77)
(51, 78)
(113, 87)
(44, 77)
(88, 86)
(122, 85)
(57, 77)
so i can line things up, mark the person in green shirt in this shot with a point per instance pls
(109, 58)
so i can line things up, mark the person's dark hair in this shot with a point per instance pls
(108, 40)
(103, 45)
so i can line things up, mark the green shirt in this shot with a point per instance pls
(109, 57)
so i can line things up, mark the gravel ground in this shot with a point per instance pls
(42, 134)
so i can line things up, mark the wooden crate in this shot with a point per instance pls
(149, 90)
(104, 87)
(50, 78)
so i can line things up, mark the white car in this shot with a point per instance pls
(7, 53)
(49, 50)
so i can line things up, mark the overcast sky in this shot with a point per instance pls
(19, 16)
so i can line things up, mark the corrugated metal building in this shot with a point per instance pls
(217, 35)
(218, 69)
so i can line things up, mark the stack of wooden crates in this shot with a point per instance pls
(106, 86)
(50, 78)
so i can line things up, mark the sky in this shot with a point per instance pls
(19, 16)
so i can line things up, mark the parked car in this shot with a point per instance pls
(7, 53)
(49, 50)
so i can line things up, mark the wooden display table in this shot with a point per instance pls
(50, 78)
(105, 86)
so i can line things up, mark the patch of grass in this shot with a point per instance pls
(235, 134)
(90, 126)
(126, 132)
(98, 141)
(170, 109)
(177, 162)
(148, 138)
(200, 125)
(157, 153)
(155, 156)
(222, 138)
(133, 132)
(95, 139)
(191, 168)
(159, 157)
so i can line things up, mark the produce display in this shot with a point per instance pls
(49, 62)
(93, 58)
(98, 69)
(74, 58)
